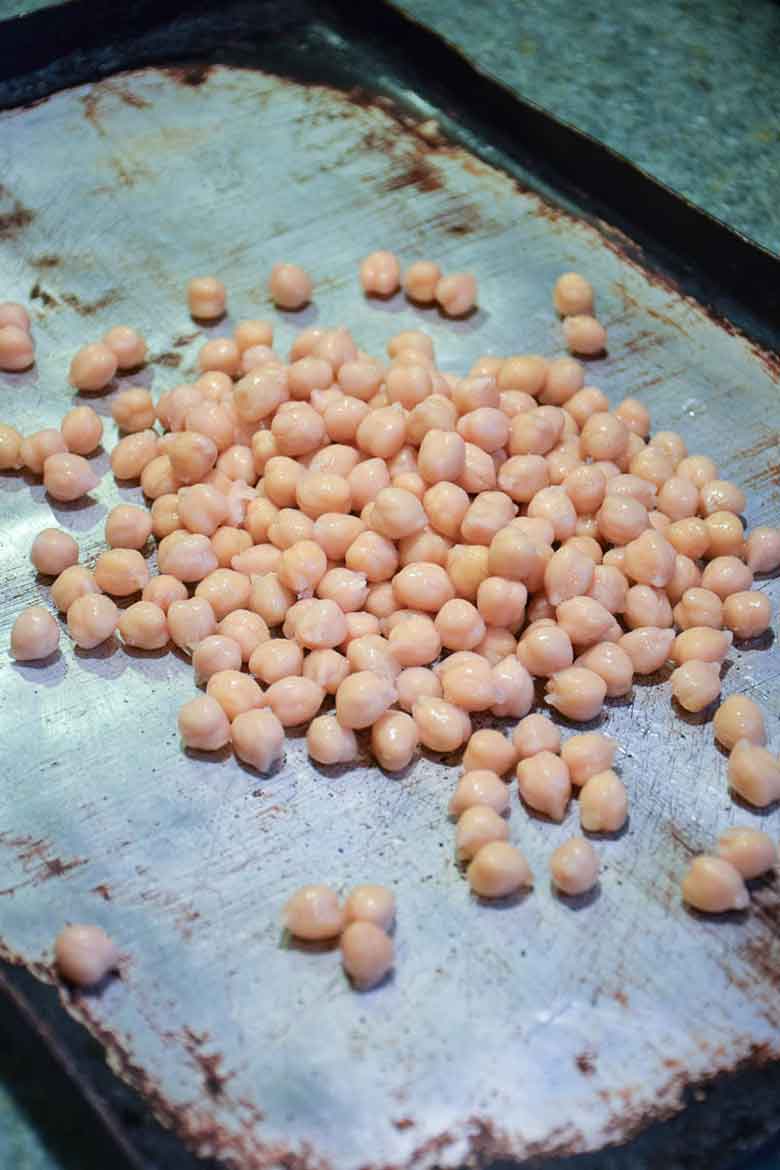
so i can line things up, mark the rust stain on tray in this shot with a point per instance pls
(89, 308)
(35, 857)
(13, 219)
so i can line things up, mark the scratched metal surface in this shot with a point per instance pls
(533, 1028)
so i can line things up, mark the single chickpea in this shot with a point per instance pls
(394, 740)
(574, 866)
(330, 743)
(700, 607)
(93, 367)
(426, 545)
(414, 683)
(342, 419)
(672, 444)
(653, 464)
(577, 693)
(534, 734)
(206, 298)
(250, 333)
(650, 559)
(256, 396)
(187, 556)
(298, 429)
(121, 572)
(361, 378)
(603, 803)
(678, 498)
(544, 650)
(367, 480)
(714, 886)
(346, 588)
(326, 668)
(572, 295)
(738, 717)
(92, 618)
(373, 653)
(362, 697)
(68, 477)
(235, 692)
(128, 526)
(719, 495)
(457, 293)
(371, 903)
(621, 519)
(335, 533)
(17, 351)
(442, 456)
(696, 684)
(421, 280)
(258, 738)
(396, 514)
(488, 514)
(144, 626)
(230, 543)
(553, 504)
(12, 313)
(222, 354)
(568, 574)
(750, 851)
(727, 537)
(516, 557)
(586, 486)
(533, 432)
(275, 659)
(270, 598)
(314, 913)
(213, 654)
(382, 433)
(514, 689)
(84, 954)
(225, 590)
(488, 750)
(322, 626)
(132, 454)
(157, 478)
(82, 430)
(687, 575)
(648, 648)
(127, 345)
(584, 403)
(189, 622)
(646, 606)
(565, 376)
(410, 339)
(319, 493)
(588, 754)
(423, 586)
(501, 603)
(38, 447)
(309, 374)
(699, 469)
(415, 641)
(34, 635)
(163, 590)
(497, 870)
(754, 773)
(290, 286)
(53, 551)
(610, 587)
(74, 581)
(701, 643)
(726, 575)
(522, 476)
(366, 954)
(613, 664)
(445, 506)
(479, 787)
(604, 436)
(544, 785)
(763, 549)
(477, 825)
(470, 686)
(380, 274)
(747, 614)
(459, 625)
(635, 416)
(288, 527)
(442, 726)
(303, 566)
(10, 448)
(584, 335)
(525, 372)
(133, 410)
(486, 427)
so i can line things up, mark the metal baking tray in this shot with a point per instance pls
(188, 140)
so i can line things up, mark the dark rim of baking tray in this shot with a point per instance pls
(371, 45)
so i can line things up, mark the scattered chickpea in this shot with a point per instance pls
(34, 635)
(603, 803)
(577, 693)
(534, 734)
(92, 618)
(749, 850)
(754, 773)
(314, 913)
(330, 743)
(127, 345)
(189, 622)
(290, 286)
(488, 750)
(442, 726)
(206, 298)
(421, 280)
(82, 430)
(121, 572)
(714, 886)
(479, 787)
(544, 784)
(763, 549)
(53, 551)
(572, 295)
(696, 684)
(10, 448)
(739, 717)
(457, 294)
(584, 335)
(367, 954)
(93, 367)
(587, 754)
(362, 697)
(477, 825)
(258, 738)
(17, 351)
(380, 274)
(73, 582)
(497, 870)
(574, 866)
(370, 903)
(701, 643)
(84, 954)
(747, 613)
(394, 739)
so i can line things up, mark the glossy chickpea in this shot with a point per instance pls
(497, 870)
(739, 717)
(726, 534)
(572, 295)
(584, 335)
(421, 280)
(696, 684)
(34, 635)
(363, 697)
(189, 622)
(445, 506)
(92, 618)
(603, 803)
(327, 668)
(457, 294)
(574, 867)
(416, 682)
(763, 549)
(366, 954)
(577, 693)
(121, 572)
(133, 453)
(290, 286)
(35, 449)
(314, 913)
(53, 551)
(128, 526)
(545, 649)
(726, 575)
(514, 689)
(648, 648)
(442, 726)
(544, 784)
(489, 750)
(478, 825)
(394, 739)
(522, 476)
(747, 614)
(157, 478)
(754, 773)
(646, 606)
(613, 664)
(534, 734)
(501, 602)
(144, 626)
(206, 298)
(713, 886)
(750, 851)
(702, 644)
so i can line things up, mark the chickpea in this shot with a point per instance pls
(314, 913)
(34, 635)
(701, 643)
(672, 444)
(157, 478)
(457, 294)
(74, 581)
(738, 717)
(609, 587)
(572, 295)
(290, 286)
(459, 625)
(275, 659)
(727, 575)
(588, 754)
(514, 556)
(754, 773)
(258, 738)
(425, 545)
(221, 354)
(574, 866)
(696, 684)
(415, 641)
(534, 433)
(84, 954)
(225, 590)
(360, 378)
(650, 559)
(216, 422)
(381, 434)
(229, 544)
(648, 648)
(53, 551)
(322, 626)
(163, 590)
(10, 448)
(366, 954)
(544, 650)
(584, 335)
(488, 750)
(544, 785)
(604, 436)
(302, 566)
(747, 614)
(362, 697)
(750, 851)
(534, 734)
(408, 384)
(121, 572)
(699, 469)
(92, 618)
(128, 527)
(719, 495)
(423, 586)
(298, 429)
(394, 740)
(553, 504)
(478, 825)
(445, 506)
(603, 803)
(92, 367)
(470, 685)
(514, 689)
(213, 654)
(586, 486)
(40, 446)
(763, 549)
(258, 394)
(479, 470)
(479, 788)
(442, 726)
(577, 693)
(251, 333)
(235, 692)
(68, 477)
(726, 534)
(621, 519)
(82, 430)
(486, 427)
(522, 476)
(678, 498)
(206, 298)
(526, 372)
(335, 533)
(132, 454)
(686, 576)
(327, 668)
(133, 410)
(635, 416)
(330, 743)
(501, 602)
(187, 556)
(714, 886)
(367, 480)
(487, 515)
(372, 653)
(414, 683)
(189, 622)
(646, 606)
(565, 376)
(613, 664)
(497, 870)
(421, 280)
(568, 574)
(144, 626)
(346, 588)
(442, 456)
(288, 527)
(12, 313)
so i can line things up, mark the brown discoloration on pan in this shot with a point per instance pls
(36, 860)
(14, 216)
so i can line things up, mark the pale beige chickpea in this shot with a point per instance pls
(603, 803)
(329, 743)
(522, 476)
(488, 514)
(275, 659)
(372, 555)
(258, 738)
(174, 405)
(34, 635)
(561, 461)
(574, 867)
(217, 423)
(408, 385)
(92, 618)
(604, 436)
(635, 416)
(726, 575)
(750, 851)
(459, 625)
(335, 532)
(672, 444)
(92, 367)
(14, 314)
(534, 734)
(470, 685)
(696, 684)
(133, 410)
(687, 575)
(515, 556)
(260, 515)
(497, 870)
(458, 658)
(394, 740)
(701, 643)
(699, 469)
(534, 433)
(479, 470)
(700, 607)
(213, 654)
(646, 606)
(367, 954)
(425, 545)
(586, 487)
(314, 913)
(648, 648)
(587, 546)
(186, 556)
(327, 668)
(53, 551)
(568, 574)
(588, 754)
(652, 464)
(396, 514)
(584, 335)
(259, 393)
(739, 717)
(526, 372)
(74, 581)
(479, 787)
(144, 626)
(478, 824)
(294, 700)
(68, 477)
(545, 649)
(720, 495)
(572, 295)
(415, 641)
(308, 374)
(237, 463)
(235, 692)
(754, 773)
(230, 543)
(360, 378)
(621, 519)
(82, 430)
(294, 614)
(225, 590)
(381, 601)
(502, 602)
(319, 493)
(321, 627)
(206, 298)
(726, 534)
(221, 354)
(544, 785)
(250, 333)
(747, 614)
(288, 527)
(437, 413)
(713, 885)
(290, 286)
(565, 376)
(486, 427)
(441, 457)
(421, 280)
(382, 433)
(414, 683)
(10, 448)
(305, 342)
(35, 449)
(514, 689)
(245, 628)
(157, 478)
(613, 664)
(650, 560)
(163, 590)
(189, 622)
(367, 480)
(346, 588)
(678, 498)
(553, 504)
(121, 572)
(423, 586)
(128, 345)
(298, 429)
(610, 587)
(362, 697)
(370, 903)
(302, 567)
(489, 750)
(445, 506)
(442, 726)
(470, 393)
(253, 358)
(84, 954)
(763, 549)
(577, 693)
(132, 453)
(372, 652)
(128, 526)
(457, 294)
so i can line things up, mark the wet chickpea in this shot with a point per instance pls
(479, 470)
(720, 495)
(380, 274)
(750, 851)
(544, 785)
(163, 590)
(603, 803)
(288, 527)
(584, 335)
(371, 903)
(222, 354)
(415, 641)
(314, 913)
(374, 556)
(319, 493)
(604, 436)
(128, 526)
(687, 575)
(534, 734)
(92, 618)
(294, 700)
(367, 480)
(360, 379)
(445, 506)
(74, 581)
(157, 478)
(360, 625)
(235, 692)
(545, 650)
(652, 464)
(470, 685)
(245, 628)
(650, 559)
(700, 607)
(727, 537)
(53, 551)
(588, 754)
(441, 457)
(335, 533)
(250, 333)
(501, 602)
(487, 515)
(372, 652)
(206, 298)
(586, 486)
(526, 372)
(327, 668)
(68, 477)
(497, 870)
(672, 444)
(533, 433)
(192, 456)
(479, 787)
(609, 587)
(568, 574)
(12, 313)
(584, 403)
(574, 867)
(426, 545)
(754, 773)
(738, 717)
(346, 588)
(225, 590)
(553, 504)
(34, 635)
(486, 427)
(322, 626)
(121, 572)
(516, 557)
(394, 739)
(421, 280)
(696, 684)
(307, 375)
(10, 448)
(726, 575)
(648, 648)
(423, 586)
(414, 683)
(230, 543)
(84, 954)
(127, 345)
(488, 750)
(82, 430)
(396, 514)
(366, 954)
(572, 295)
(459, 624)
(275, 659)
(713, 885)
(646, 606)
(35, 449)
(442, 726)
(577, 693)
(678, 498)
(144, 626)
(565, 376)
(514, 689)
(187, 556)
(381, 434)
(747, 614)
(621, 519)
(290, 286)
(699, 469)
(213, 654)
(634, 415)
(478, 825)
(92, 367)
(256, 396)
(258, 738)
(302, 566)
(457, 294)
(329, 743)
(132, 454)
(362, 697)
(133, 410)
(701, 643)
(408, 384)
(763, 549)
(298, 429)
(189, 622)
(522, 476)
(613, 664)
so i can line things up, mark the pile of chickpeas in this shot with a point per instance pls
(380, 551)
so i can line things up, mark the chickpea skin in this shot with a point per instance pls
(314, 913)
(544, 784)
(442, 726)
(92, 618)
(68, 477)
(34, 635)
(754, 773)
(750, 851)
(367, 954)
(258, 738)
(53, 551)
(603, 803)
(574, 867)
(714, 886)
(696, 684)
(497, 870)
(479, 787)
(534, 734)
(738, 717)
(84, 954)
(477, 825)
(747, 614)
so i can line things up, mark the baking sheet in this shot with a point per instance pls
(532, 1028)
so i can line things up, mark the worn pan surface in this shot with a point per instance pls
(539, 1027)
